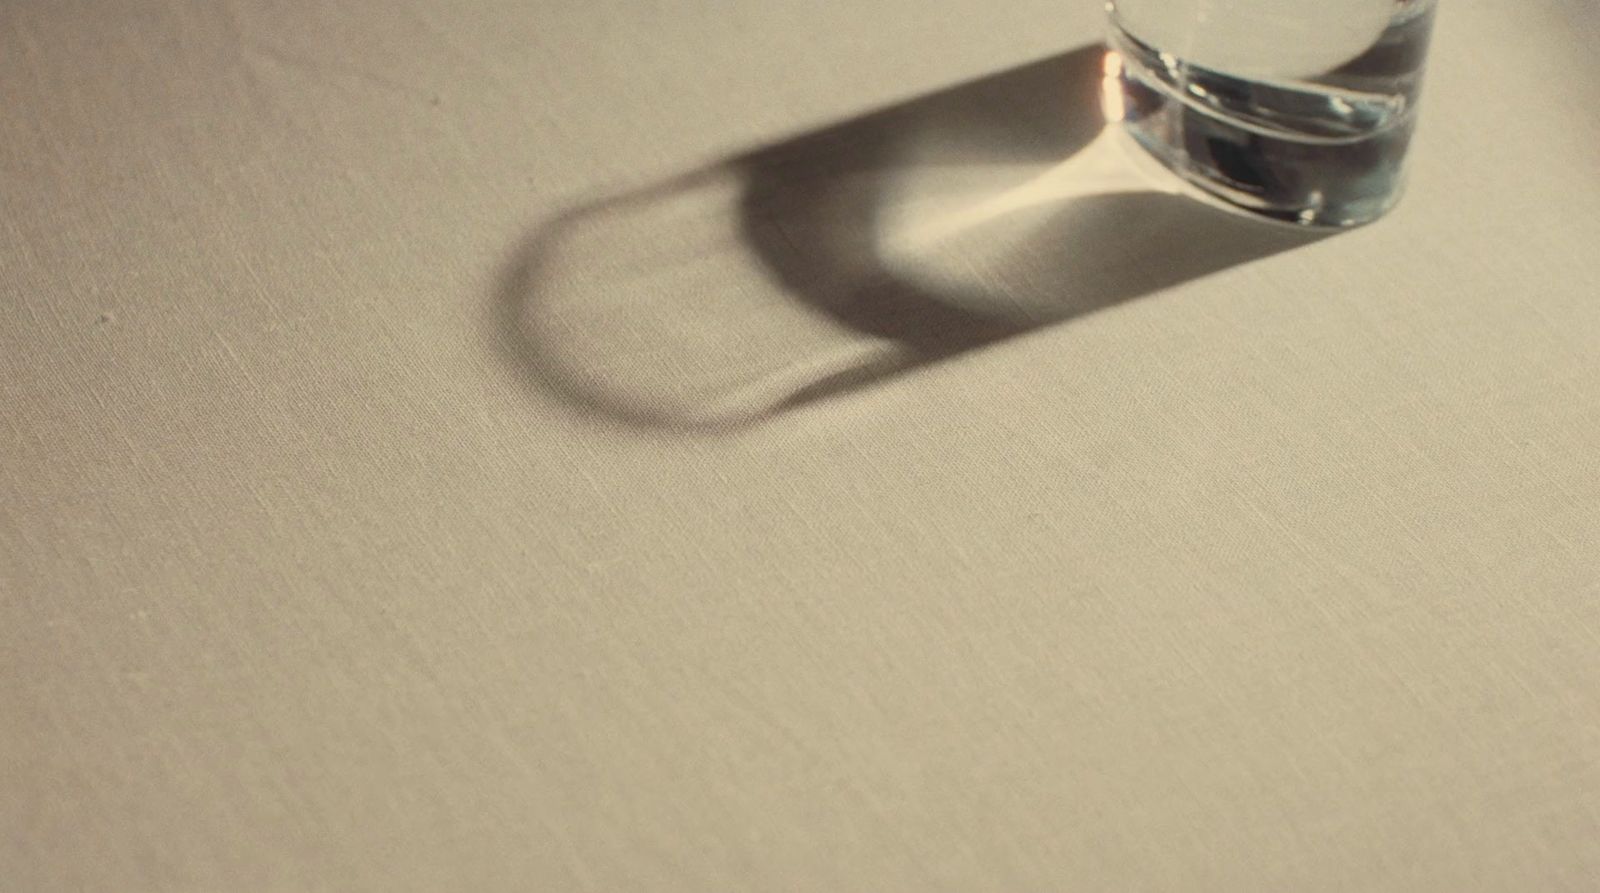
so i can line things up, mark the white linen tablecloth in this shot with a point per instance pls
(614, 445)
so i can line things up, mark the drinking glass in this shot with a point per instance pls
(1297, 110)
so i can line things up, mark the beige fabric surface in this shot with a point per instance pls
(621, 445)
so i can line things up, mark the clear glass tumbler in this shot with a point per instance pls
(1298, 110)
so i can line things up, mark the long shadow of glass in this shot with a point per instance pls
(850, 256)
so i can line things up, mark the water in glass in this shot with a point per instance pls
(1300, 110)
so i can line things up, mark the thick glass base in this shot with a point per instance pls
(1307, 153)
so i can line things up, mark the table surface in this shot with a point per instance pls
(626, 445)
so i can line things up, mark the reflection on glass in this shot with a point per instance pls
(1300, 110)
